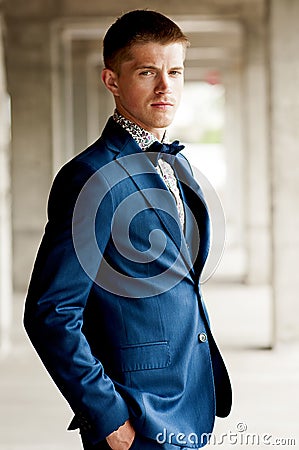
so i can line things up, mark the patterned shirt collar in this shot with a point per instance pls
(143, 137)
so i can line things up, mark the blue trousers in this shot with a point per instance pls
(139, 443)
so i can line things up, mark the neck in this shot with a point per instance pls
(159, 133)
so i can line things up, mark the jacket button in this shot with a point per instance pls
(202, 337)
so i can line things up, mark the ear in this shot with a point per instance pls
(110, 79)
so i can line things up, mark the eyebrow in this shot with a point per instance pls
(145, 66)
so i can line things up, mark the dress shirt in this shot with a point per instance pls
(145, 139)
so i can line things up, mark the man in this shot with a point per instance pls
(114, 307)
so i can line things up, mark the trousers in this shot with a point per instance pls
(139, 443)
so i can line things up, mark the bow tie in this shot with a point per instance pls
(166, 151)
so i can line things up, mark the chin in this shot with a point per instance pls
(162, 122)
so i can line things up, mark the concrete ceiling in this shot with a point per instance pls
(33, 9)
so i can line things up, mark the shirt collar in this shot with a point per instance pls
(143, 137)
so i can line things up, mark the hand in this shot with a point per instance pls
(122, 438)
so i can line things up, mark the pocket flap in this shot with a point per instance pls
(152, 355)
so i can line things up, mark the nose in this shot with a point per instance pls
(163, 84)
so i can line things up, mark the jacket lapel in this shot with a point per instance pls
(194, 198)
(149, 183)
(140, 169)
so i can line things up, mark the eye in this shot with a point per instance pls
(176, 73)
(146, 73)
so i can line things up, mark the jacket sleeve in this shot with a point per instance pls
(57, 295)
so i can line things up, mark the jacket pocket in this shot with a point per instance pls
(147, 356)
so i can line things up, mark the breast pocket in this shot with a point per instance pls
(146, 356)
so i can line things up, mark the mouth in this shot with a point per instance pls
(162, 105)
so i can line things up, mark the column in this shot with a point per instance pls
(284, 132)
(5, 210)
(234, 200)
(29, 85)
(256, 158)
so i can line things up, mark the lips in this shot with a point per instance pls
(162, 105)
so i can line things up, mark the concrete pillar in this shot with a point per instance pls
(92, 102)
(234, 199)
(5, 210)
(100, 103)
(80, 106)
(80, 101)
(256, 158)
(29, 84)
(284, 102)
(62, 96)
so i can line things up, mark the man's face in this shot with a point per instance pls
(148, 88)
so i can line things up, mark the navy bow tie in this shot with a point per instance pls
(166, 151)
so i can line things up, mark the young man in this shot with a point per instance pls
(114, 307)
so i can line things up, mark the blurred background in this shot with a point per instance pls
(239, 120)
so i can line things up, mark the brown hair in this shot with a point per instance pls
(138, 27)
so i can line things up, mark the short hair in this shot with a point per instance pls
(138, 27)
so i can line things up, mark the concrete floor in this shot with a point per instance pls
(34, 416)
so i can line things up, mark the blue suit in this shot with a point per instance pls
(114, 307)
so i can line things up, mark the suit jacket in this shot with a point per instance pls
(114, 307)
